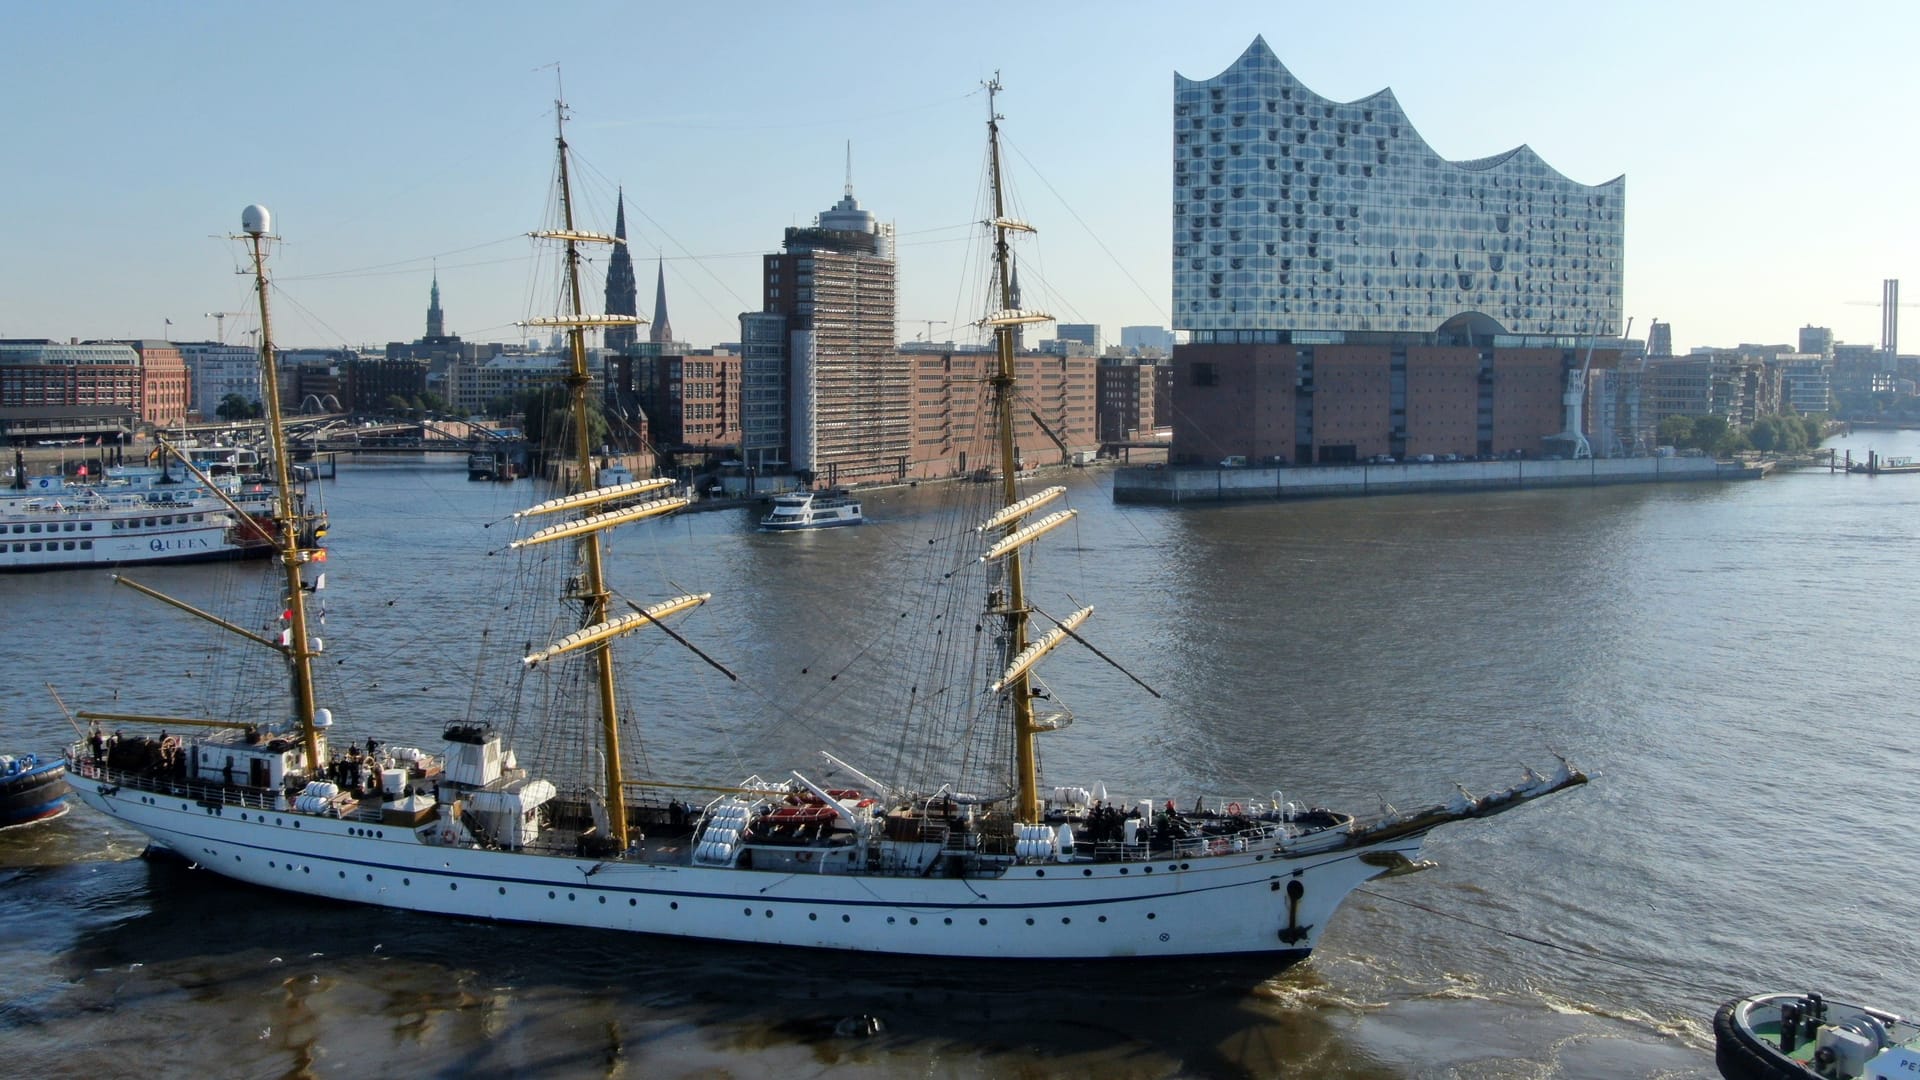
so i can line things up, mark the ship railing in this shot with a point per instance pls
(250, 797)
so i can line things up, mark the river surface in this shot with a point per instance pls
(1733, 662)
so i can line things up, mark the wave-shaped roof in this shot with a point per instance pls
(1260, 57)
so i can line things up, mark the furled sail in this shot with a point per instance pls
(1014, 317)
(1040, 647)
(1018, 510)
(602, 521)
(596, 496)
(1028, 534)
(612, 628)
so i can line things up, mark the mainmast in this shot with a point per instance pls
(595, 597)
(256, 223)
(1015, 611)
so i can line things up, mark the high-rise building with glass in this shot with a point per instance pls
(1293, 212)
(1348, 293)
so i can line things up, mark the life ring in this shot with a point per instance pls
(446, 836)
(1234, 808)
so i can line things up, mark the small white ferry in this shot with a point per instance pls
(812, 510)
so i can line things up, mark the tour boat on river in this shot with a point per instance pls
(812, 510)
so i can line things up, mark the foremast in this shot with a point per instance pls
(298, 648)
(1017, 683)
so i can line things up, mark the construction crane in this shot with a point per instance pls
(220, 323)
(927, 335)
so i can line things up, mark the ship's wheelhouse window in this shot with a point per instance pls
(86, 526)
(35, 546)
(151, 523)
(86, 545)
(67, 545)
(34, 527)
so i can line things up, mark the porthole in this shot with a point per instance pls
(769, 913)
(949, 922)
(983, 922)
(406, 881)
(1029, 922)
(603, 899)
(569, 897)
(748, 912)
(1064, 920)
(631, 902)
(1151, 916)
(914, 921)
(812, 917)
(1086, 873)
(1103, 918)
(846, 918)
(503, 890)
(453, 886)
(550, 894)
(673, 905)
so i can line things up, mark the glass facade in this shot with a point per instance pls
(1294, 212)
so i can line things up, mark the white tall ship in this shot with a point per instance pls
(968, 857)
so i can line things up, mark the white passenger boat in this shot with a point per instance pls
(957, 848)
(812, 510)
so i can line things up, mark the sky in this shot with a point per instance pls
(1769, 149)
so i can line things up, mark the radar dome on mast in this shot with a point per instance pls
(255, 220)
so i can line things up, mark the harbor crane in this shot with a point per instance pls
(220, 323)
(1575, 400)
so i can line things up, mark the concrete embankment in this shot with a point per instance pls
(1190, 485)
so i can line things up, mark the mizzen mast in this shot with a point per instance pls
(257, 223)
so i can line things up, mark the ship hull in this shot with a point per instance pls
(34, 796)
(1257, 902)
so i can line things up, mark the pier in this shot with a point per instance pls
(1239, 483)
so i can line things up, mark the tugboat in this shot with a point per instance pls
(30, 789)
(1808, 1037)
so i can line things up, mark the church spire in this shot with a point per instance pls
(623, 292)
(436, 319)
(661, 332)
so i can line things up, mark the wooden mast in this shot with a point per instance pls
(299, 650)
(596, 597)
(1019, 689)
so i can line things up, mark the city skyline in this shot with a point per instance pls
(1762, 154)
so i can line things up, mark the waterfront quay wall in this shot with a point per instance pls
(1185, 485)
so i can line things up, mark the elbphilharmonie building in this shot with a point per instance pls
(1296, 215)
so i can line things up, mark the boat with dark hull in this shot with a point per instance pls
(1810, 1037)
(31, 789)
